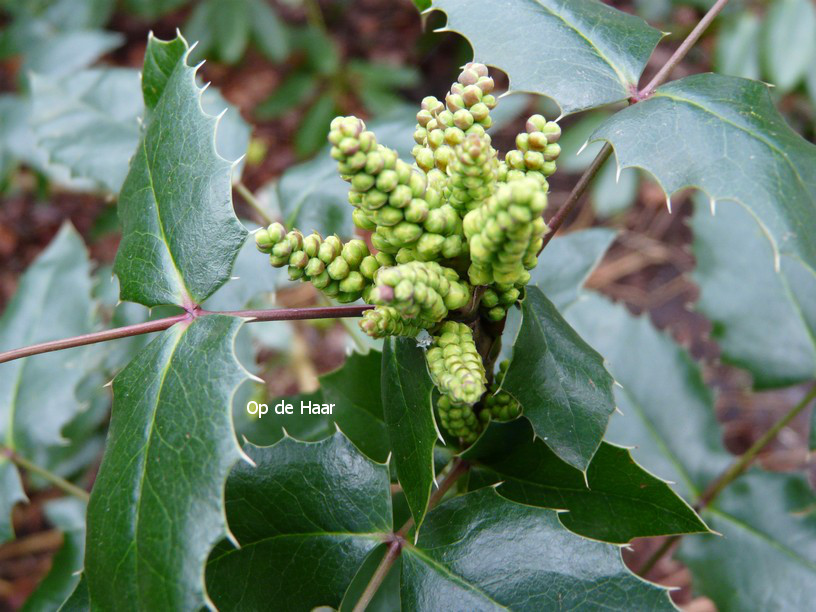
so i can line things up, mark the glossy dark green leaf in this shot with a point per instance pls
(67, 515)
(567, 262)
(387, 597)
(354, 389)
(560, 382)
(606, 47)
(38, 395)
(482, 552)
(306, 516)
(80, 599)
(616, 502)
(766, 557)
(409, 419)
(157, 504)
(729, 141)
(737, 51)
(763, 320)
(668, 413)
(788, 44)
(180, 234)
(87, 122)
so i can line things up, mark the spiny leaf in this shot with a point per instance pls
(567, 262)
(482, 552)
(180, 234)
(354, 389)
(766, 558)
(727, 139)
(157, 505)
(560, 381)
(668, 412)
(87, 122)
(581, 53)
(763, 320)
(616, 502)
(412, 433)
(306, 515)
(38, 394)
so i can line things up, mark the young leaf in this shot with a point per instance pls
(38, 394)
(157, 505)
(617, 502)
(607, 47)
(87, 122)
(412, 433)
(765, 558)
(668, 414)
(180, 234)
(725, 129)
(763, 320)
(306, 516)
(788, 44)
(568, 261)
(67, 515)
(482, 552)
(560, 381)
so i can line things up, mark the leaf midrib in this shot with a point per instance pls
(448, 574)
(185, 295)
(621, 78)
(374, 535)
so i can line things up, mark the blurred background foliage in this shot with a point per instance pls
(283, 69)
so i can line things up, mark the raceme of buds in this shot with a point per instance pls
(343, 271)
(458, 419)
(505, 233)
(424, 291)
(500, 405)
(457, 219)
(455, 364)
(386, 321)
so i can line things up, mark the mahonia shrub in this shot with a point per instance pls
(500, 431)
(461, 226)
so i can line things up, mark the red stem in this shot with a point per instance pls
(281, 314)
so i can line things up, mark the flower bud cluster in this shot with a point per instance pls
(343, 271)
(386, 321)
(535, 153)
(456, 365)
(458, 419)
(402, 206)
(419, 290)
(443, 126)
(500, 405)
(505, 234)
(473, 173)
